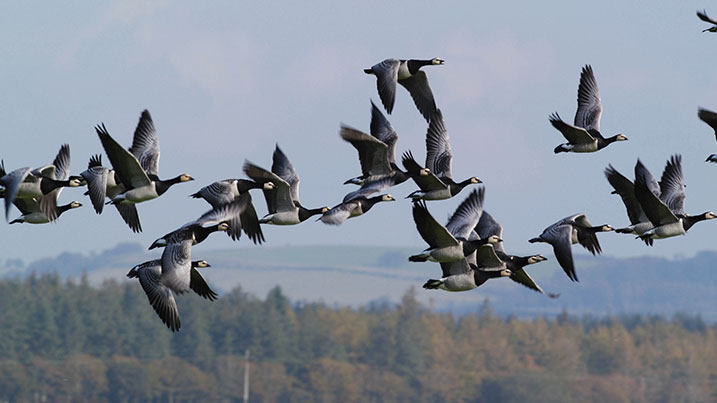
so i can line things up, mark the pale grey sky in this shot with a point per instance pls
(226, 81)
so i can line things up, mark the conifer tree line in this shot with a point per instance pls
(69, 341)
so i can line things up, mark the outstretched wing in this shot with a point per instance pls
(145, 144)
(386, 73)
(589, 105)
(672, 185)
(438, 147)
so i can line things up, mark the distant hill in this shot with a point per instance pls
(344, 275)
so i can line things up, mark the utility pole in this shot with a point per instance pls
(246, 376)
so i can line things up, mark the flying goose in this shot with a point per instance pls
(161, 297)
(670, 190)
(625, 188)
(571, 230)
(710, 118)
(454, 241)
(461, 275)
(487, 227)
(350, 208)
(584, 136)
(377, 151)
(435, 180)
(283, 201)
(28, 183)
(225, 191)
(408, 74)
(137, 168)
(703, 16)
(103, 182)
(31, 213)
(226, 217)
(666, 213)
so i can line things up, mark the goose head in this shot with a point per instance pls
(201, 263)
(159, 243)
(710, 215)
(505, 273)
(536, 259)
(437, 61)
(223, 226)
(424, 172)
(387, 197)
(606, 228)
(475, 180)
(75, 204)
(620, 137)
(76, 181)
(185, 178)
(494, 239)
(268, 186)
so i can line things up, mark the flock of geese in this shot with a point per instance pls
(469, 247)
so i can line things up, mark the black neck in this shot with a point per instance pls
(47, 185)
(305, 213)
(243, 185)
(456, 187)
(602, 142)
(63, 208)
(162, 185)
(203, 232)
(415, 65)
(689, 221)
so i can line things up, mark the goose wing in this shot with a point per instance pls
(48, 202)
(703, 16)
(708, 117)
(219, 192)
(160, 297)
(278, 199)
(488, 226)
(487, 258)
(27, 206)
(128, 212)
(200, 286)
(125, 164)
(176, 265)
(574, 135)
(373, 153)
(12, 183)
(586, 238)
(417, 85)
(250, 222)
(340, 213)
(650, 181)
(455, 268)
(438, 147)
(559, 235)
(96, 178)
(589, 105)
(467, 215)
(435, 234)
(229, 213)
(521, 277)
(371, 186)
(654, 208)
(381, 129)
(145, 144)
(282, 167)
(386, 73)
(427, 181)
(626, 190)
(672, 185)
